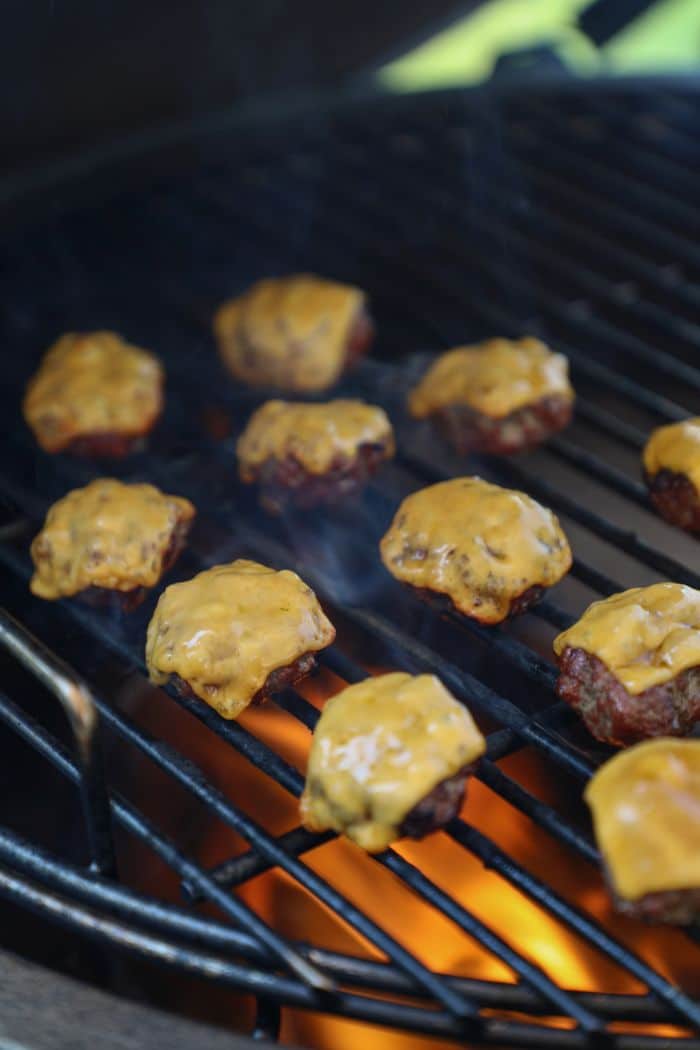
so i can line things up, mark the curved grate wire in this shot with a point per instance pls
(572, 215)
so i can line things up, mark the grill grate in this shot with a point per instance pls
(572, 213)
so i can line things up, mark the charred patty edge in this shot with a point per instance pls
(106, 445)
(674, 907)
(675, 497)
(615, 716)
(278, 680)
(441, 804)
(287, 481)
(443, 604)
(469, 430)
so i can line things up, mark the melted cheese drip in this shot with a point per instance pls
(289, 332)
(645, 636)
(495, 378)
(478, 543)
(91, 384)
(677, 448)
(107, 535)
(227, 629)
(645, 803)
(316, 435)
(379, 748)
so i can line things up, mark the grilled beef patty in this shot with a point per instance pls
(442, 603)
(675, 498)
(276, 681)
(677, 907)
(107, 445)
(360, 338)
(126, 601)
(286, 482)
(439, 806)
(614, 715)
(470, 431)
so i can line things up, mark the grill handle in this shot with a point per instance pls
(77, 701)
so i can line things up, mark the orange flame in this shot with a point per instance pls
(429, 935)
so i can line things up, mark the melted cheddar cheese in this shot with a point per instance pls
(93, 384)
(676, 448)
(318, 436)
(379, 748)
(288, 332)
(108, 535)
(480, 544)
(645, 803)
(227, 629)
(494, 378)
(645, 636)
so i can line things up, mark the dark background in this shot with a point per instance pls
(80, 73)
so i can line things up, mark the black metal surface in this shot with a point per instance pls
(77, 701)
(570, 214)
(77, 75)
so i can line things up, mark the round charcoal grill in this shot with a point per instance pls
(568, 211)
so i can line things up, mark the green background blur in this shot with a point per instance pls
(666, 38)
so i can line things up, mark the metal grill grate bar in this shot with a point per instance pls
(551, 496)
(436, 285)
(291, 780)
(494, 857)
(377, 206)
(51, 749)
(605, 529)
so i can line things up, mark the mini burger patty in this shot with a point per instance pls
(94, 395)
(108, 445)
(389, 757)
(645, 805)
(443, 604)
(438, 807)
(490, 551)
(227, 631)
(671, 461)
(127, 601)
(525, 428)
(631, 665)
(283, 482)
(500, 396)
(107, 539)
(296, 334)
(676, 499)
(312, 453)
(614, 715)
(278, 680)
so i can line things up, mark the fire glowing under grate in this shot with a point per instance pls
(572, 215)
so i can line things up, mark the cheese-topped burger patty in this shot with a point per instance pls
(312, 453)
(645, 804)
(389, 758)
(672, 472)
(109, 537)
(235, 634)
(491, 551)
(631, 665)
(296, 334)
(500, 396)
(95, 395)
